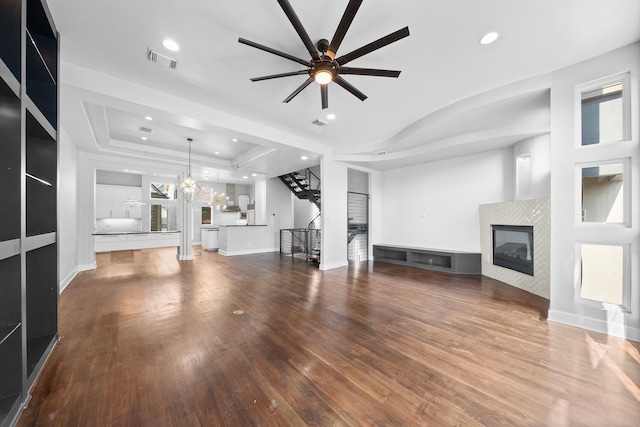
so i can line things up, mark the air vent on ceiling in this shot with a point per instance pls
(319, 122)
(161, 58)
(380, 153)
(144, 129)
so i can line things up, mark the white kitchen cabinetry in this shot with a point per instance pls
(110, 201)
(129, 241)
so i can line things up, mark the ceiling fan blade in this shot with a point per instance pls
(369, 72)
(324, 94)
(349, 87)
(343, 26)
(297, 25)
(300, 89)
(276, 76)
(380, 43)
(274, 51)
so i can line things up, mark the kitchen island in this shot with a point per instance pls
(245, 239)
(127, 240)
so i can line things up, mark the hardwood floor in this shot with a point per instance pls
(264, 340)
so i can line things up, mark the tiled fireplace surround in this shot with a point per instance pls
(536, 213)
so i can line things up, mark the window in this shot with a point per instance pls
(603, 273)
(163, 218)
(604, 198)
(604, 112)
(162, 191)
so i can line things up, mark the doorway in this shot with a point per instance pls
(358, 227)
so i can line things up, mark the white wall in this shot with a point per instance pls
(537, 149)
(303, 211)
(565, 306)
(67, 210)
(279, 212)
(436, 205)
(334, 214)
(358, 181)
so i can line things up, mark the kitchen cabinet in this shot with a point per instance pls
(110, 201)
(29, 171)
(128, 241)
(209, 238)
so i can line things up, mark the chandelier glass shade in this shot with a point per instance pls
(189, 187)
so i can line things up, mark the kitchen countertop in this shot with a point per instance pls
(110, 233)
(238, 225)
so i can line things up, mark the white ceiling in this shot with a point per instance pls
(453, 97)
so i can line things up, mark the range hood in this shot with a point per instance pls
(231, 200)
(231, 208)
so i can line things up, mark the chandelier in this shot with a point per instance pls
(189, 188)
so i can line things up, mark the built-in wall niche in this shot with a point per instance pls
(604, 273)
(42, 62)
(42, 302)
(41, 178)
(10, 22)
(523, 175)
(10, 154)
(604, 192)
(605, 111)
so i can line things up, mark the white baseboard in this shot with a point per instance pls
(325, 266)
(616, 329)
(85, 267)
(184, 257)
(247, 252)
(65, 282)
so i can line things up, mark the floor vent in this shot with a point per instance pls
(161, 59)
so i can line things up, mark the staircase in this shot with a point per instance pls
(304, 184)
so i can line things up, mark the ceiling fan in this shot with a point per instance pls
(324, 67)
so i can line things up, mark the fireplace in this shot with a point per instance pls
(513, 247)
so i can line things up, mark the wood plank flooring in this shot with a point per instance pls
(264, 340)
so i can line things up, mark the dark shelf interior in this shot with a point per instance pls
(11, 366)
(42, 302)
(10, 22)
(10, 163)
(10, 304)
(42, 164)
(390, 254)
(435, 260)
(41, 59)
(36, 348)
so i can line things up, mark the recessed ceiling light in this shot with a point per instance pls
(254, 174)
(489, 38)
(144, 138)
(155, 174)
(235, 139)
(216, 153)
(126, 170)
(171, 45)
(148, 117)
(304, 157)
(245, 177)
(331, 116)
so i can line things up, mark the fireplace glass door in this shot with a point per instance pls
(513, 247)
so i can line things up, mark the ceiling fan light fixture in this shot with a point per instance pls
(323, 76)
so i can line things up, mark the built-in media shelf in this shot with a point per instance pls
(10, 153)
(457, 262)
(28, 171)
(10, 22)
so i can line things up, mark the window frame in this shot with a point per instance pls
(624, 79)
(626, 183)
